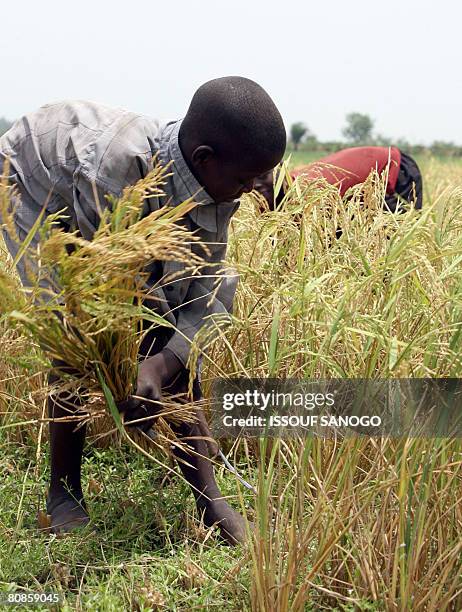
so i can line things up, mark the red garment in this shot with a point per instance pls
(352, 166)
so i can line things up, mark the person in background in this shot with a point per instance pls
(352, 166)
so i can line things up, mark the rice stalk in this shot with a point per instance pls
(84, 304)
(350, 523)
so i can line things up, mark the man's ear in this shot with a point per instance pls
(201, 155)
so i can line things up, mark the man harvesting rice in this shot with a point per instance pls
(352, 166)
(67, 156)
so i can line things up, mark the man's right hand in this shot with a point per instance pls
(154, 373)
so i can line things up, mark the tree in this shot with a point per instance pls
(297, 131)
(442, 147)
(358, 129)
(4, 125)
(382, 141)
(403, 144)
(310, 140)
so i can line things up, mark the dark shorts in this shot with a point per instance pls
(408, 186)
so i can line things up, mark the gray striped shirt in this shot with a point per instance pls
(71, 148)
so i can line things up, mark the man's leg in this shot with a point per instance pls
(65, 501)
(197, 469)
(196, 465)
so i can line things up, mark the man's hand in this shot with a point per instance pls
(154, 373)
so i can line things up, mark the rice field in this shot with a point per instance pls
(338, 524)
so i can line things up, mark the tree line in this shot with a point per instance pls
(359, 131)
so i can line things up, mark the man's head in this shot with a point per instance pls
(231, 134)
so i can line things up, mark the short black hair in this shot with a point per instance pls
(235, 115)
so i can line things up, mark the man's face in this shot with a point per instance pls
(226, 180)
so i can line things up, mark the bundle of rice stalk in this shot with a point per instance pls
(84, 304)
(21, 380)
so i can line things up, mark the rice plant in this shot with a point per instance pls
(350, 523)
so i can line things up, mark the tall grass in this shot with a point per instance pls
(22, 379)
(351, 523)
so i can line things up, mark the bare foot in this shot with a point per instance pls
(67, 512)
(231, 524)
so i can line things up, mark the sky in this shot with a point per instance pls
(399, 61)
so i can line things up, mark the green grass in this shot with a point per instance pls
(146, 536)
(298, 158)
